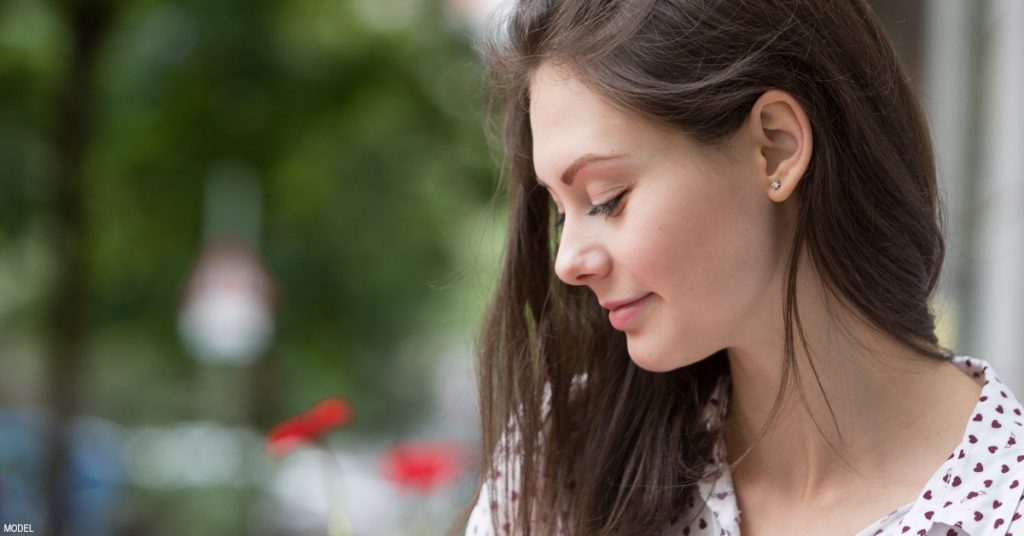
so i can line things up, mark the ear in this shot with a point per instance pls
(782, 140)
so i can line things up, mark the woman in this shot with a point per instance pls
(713, 316)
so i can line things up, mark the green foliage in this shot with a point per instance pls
(361, 131)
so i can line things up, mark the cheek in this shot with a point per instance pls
(680, 245)
(706, 294)
(708, 260)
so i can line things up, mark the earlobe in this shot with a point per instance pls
(782, 134)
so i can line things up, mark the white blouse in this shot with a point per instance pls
(976, 492)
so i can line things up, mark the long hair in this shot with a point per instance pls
(619, 453)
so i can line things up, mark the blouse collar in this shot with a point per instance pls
(977, 488)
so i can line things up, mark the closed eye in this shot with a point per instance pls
(604, 209)
(607, 208)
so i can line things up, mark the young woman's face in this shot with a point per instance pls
(687, 234)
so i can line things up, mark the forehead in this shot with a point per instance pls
(568, 120)
(558, 95)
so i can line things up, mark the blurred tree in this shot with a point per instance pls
(86, 25)
(355, 118)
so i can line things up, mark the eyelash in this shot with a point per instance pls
(597, 210)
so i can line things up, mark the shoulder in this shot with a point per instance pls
(979, 490)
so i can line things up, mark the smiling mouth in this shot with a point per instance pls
(621, 315)
(613, 305)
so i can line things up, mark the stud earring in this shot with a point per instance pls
(776, 184)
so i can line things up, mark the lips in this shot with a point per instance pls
(622, 314)
(613, 305)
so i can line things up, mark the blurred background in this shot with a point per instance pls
(215, 214)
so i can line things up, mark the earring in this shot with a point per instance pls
(776, 184)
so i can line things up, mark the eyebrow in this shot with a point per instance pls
(570, 172)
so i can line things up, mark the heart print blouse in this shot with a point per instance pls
(976, 492)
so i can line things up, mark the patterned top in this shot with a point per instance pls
(976, 492)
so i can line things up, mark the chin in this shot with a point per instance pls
(651, 361)
(654, 360)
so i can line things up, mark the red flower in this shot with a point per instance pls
(309, 426)
(423, 466)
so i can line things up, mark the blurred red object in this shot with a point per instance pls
(330, 413)
(423, 466)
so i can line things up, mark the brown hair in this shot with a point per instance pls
(621, 454)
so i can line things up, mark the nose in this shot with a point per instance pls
(581, 259)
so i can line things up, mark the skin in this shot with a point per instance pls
(701, 233)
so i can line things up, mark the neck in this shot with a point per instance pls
(889, 405)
